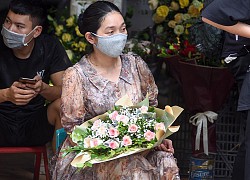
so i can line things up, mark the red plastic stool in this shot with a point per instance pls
(38, 150)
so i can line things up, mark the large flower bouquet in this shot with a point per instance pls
(122, 131)
(172, 21)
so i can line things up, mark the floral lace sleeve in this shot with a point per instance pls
(73, 110)
(147, 81)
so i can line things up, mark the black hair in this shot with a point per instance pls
(34, 8)
(90, 20)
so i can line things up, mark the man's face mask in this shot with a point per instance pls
(111, 45)
(14, 40)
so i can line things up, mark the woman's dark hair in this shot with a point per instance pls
(34, 8)
(90, 20)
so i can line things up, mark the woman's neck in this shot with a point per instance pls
(107, 67)
(104, 62)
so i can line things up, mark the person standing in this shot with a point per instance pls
(234, 18)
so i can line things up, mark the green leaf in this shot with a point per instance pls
(145, 102)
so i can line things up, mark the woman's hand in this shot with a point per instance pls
(71, 142)
(166, 145)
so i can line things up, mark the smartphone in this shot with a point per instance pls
(27, 80)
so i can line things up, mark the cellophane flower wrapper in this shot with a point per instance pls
(122, 131)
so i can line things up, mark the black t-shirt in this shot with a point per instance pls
(48, 57)
(228, 13)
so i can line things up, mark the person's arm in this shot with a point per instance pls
(73, 96)
(52, 93)
(240, 29)
(49, 92)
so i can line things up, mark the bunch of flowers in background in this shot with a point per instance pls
(172, 20)
(67, 30)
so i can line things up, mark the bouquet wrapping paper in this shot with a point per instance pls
(88, 148)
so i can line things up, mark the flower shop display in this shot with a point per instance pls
(200, 72)
(204, 81)
(172, 22)
(67, 30)
(122, 131)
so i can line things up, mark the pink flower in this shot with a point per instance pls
(126, 141)
(96, 125)
(113, 132)
(144, 109)
(122, 118)
(87, 142)
(113, 144)
(95, 142)
(132, 128)
(160, 126)
(149, 135)
(113, 115)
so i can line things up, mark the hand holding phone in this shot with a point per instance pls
(27, 80)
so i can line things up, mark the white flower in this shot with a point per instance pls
(144, 109)
(160, 126)
(86, 142)
(95, 142)
(102, 131)
(122, 118)
(96, 124)
(113, 115)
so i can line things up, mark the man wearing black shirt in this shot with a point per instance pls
(234, 18)
(25, 119)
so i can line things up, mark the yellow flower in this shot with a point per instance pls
(82, 46)
(66, 37)
(158, 19)
(153, 4)
(70, 54)
(193, 11)
(174, 6)
(172, 23)
(78, 32)
(184, 3)
(59, 30)
(178, 30)
(75, 46)
(162, 11)
(178, 17)
(70, 21)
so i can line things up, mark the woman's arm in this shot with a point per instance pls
(73, 110)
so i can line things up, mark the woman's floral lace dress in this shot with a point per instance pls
(86, 94)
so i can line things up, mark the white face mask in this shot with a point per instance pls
(111, 45)
(14, 40)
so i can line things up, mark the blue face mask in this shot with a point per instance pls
(14, 40)
(111, 45)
